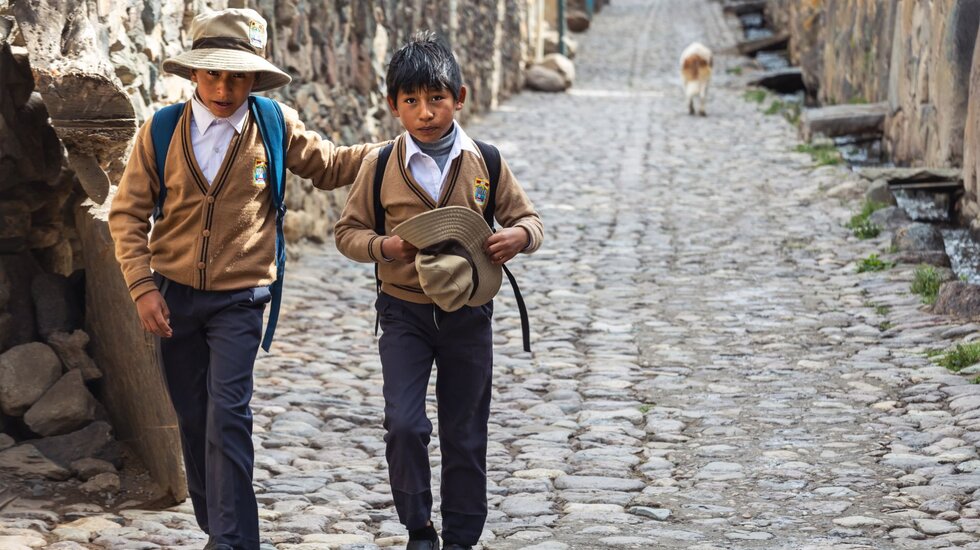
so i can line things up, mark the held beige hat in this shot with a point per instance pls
(229, 40)
(454, 270)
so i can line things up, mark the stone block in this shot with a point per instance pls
(25, 461)
(577, 21)
(26, 373)
(92, 441)
(64, 408)
(544, 79)
(917, 237)
(71, 350)
(560, 64)
(878, 192)
(958, 299)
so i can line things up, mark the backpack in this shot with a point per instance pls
(272, 128)
(491, 157)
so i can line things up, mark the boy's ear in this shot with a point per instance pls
(194, 76)
(391, 105)
(462, 98)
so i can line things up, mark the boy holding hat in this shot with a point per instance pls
(202, 281)
(439, 266)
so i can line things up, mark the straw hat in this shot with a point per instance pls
(229, 40)
(453, 268)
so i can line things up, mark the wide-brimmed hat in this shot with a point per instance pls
(229, 40)
(453, 268)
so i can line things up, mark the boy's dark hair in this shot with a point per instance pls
(425, 62)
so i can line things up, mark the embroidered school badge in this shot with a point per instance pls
(481, 190)
(259, 173)
(256, 34)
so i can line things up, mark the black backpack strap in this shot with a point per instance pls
(379, 214)
(491, 157)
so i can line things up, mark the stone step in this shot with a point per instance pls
(843, 120)
(775, 42)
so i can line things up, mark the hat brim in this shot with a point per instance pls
(219, 59)
(464, 226)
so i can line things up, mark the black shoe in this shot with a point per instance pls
(422, 545)
(454, 546)
(210, 543)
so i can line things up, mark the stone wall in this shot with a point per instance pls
(916, 56)
(92, 67)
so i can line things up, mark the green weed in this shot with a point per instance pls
(926, 282)
(755, 96)
(882, 310)
(824, 154)
(645, 408)
(737, 71)
(960, 357)
(873, 263)
(775, 107)
(862, 226)
(885, 325)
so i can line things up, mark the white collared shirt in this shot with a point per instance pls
(425, 170)
(210, 136)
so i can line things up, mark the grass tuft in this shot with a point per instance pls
(873, 263)
(755, 96)
(823, 155)
(926, 282)
(960, 357)
(861, 223)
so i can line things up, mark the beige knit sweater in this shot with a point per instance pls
(403, 197)
(220, 236)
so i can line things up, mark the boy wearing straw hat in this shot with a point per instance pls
(216, 253)
(439, 267)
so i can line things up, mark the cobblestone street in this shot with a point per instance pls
(709, 370)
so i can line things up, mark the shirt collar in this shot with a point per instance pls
(462, 143)
(203, 118)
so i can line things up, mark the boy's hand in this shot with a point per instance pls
(398, 249)
(154, 315)
(505, 244)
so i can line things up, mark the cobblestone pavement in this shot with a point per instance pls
(709, 370)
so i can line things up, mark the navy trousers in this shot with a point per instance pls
(208, 366)
(461, 345)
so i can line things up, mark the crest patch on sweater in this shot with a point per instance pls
(481, 190)
(259, 173)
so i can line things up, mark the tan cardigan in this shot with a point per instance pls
(403, 197)
(220, 236)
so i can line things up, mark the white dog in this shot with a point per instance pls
(695, 74)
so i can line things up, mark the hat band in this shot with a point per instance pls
(224, 43)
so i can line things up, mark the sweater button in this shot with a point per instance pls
(200, 265)
(206, 233)
(210, 200)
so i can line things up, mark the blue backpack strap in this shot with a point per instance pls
(272, 127)
(162, 127)
(491, 158)
(379, 214)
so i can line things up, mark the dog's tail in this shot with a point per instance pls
(696, 68)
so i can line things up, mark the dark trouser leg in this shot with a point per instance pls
(406, 361)
(234, 330)
(185, 369)
(464, 362)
